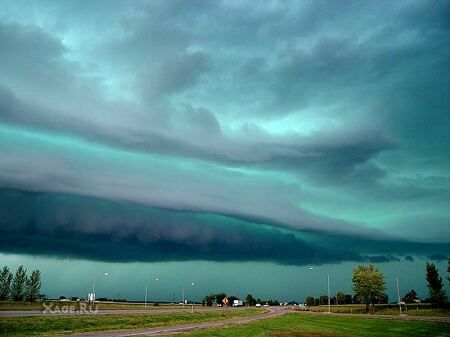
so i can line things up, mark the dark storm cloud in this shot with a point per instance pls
(64, 225)
(438, 257)
(330, 157)
(174, 74)
(315, 115)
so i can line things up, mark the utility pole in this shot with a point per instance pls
(329, 293)
(398, 294)
(146, 286)
(183, 296)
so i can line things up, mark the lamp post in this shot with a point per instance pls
(328, 284)
(146, 291)
(398, 294)
(193, 284)
(93, 287)
(184, 300)
(328, 277)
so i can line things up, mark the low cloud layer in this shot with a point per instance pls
(277, 120)
(67, 226)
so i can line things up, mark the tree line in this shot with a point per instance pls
(211, 299)
(19, 287)
(369, 287)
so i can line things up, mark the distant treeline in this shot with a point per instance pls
(218, 299)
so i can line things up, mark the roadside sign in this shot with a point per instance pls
(225, 301)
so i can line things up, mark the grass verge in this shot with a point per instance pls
(385, 309)
(51, 325)
(292, 325)
(38, 306)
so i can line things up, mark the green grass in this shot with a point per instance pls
(37, 306)
(50, 325)
(385, 309)
(292, 325)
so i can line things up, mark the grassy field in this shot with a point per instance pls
(50, 325)
(293, 325)
(10, 305)
(383, 309)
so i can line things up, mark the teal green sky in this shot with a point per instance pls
(207, 138)
(262, 279)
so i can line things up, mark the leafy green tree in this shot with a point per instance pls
(250, 300)
(368, 285)
(209, 299)
(410, 296)
(348, 299)
(435, 285)
(33, 286)
(323, 299)
(231, 299)
(19, 284)
(340, 296)
(5, 283)
(384, 299)
(220, 297)
(309, 301)
(448, 270)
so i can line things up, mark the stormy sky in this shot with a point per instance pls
(224, 135)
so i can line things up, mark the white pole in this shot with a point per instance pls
(93, 287)
(183, 296)
(329, 293)
(146, 286)
(398, 294)
(192, 300)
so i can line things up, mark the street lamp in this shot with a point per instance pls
(184, 300)
(193, 284)
(92, 298)
(329, 296)
(146, 291)
(398, 294)
(328, 277)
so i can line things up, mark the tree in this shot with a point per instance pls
(231, 299)
(209, 299)
(410, 296)
(33, 286)
(368, 285)
(340, 296)
(448, 270)
(323, 299)
(18, 284)
(435, 285)
(384, 299)
(348, 299)
(220, 297)
(250, 301)
(309, 301)
(5, 283)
